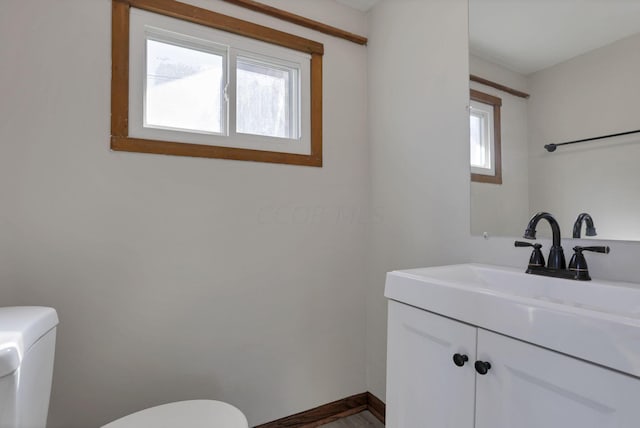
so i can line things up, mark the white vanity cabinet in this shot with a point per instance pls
(532, 387)
(424, 386)
(527, 386)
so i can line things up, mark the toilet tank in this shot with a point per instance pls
(27, 347)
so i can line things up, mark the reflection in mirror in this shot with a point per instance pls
(580, 63)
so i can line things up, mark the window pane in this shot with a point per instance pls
(476, 141)
(480, 140)
(184, 88)
(266, 99)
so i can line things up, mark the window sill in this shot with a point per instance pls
(138, 145)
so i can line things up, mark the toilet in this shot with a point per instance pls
(27, 348)
(187, 414)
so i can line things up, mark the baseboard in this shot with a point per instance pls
(333, 411)
(376, 406)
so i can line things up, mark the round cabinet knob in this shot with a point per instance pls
(482, 367)
(459, 359)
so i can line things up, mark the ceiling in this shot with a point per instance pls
(363, 5)
(530, 35)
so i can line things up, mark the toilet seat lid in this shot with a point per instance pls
(185, 414)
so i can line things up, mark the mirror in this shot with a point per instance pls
(579, 61)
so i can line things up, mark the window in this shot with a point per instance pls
(183, 88)
(209, 85)
(484, 125)
(267, 98)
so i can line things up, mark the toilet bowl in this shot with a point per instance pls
(27, 348)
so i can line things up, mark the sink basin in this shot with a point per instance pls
(611, 297)
(596, 320)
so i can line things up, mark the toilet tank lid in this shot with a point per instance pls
(20, 328)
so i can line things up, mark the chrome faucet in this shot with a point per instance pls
(556, 258)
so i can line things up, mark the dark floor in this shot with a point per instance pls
(361, 420)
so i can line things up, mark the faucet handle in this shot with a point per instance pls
(604, 249)
(578, 263)
(526, 244)
(536, 259)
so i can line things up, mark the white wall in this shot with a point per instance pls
(594, 94)
(178, 278)
(418, 125)
(512, 196)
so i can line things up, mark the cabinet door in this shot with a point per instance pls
(425, 389)
(531, 387)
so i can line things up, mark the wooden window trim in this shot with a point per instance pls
(120, 140)
(497, 145)
(299, 20)
(498, 86)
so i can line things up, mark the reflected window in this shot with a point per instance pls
(484, 131)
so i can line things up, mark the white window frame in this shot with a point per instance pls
(138, 115)
(487, 136)
(295, 89)
(144, 24)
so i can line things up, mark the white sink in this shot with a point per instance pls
(594, 320)
(611, 297)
